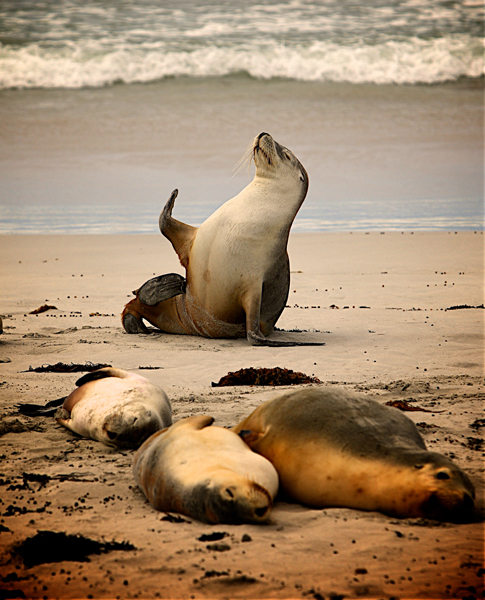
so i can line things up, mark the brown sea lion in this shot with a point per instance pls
(334, 448)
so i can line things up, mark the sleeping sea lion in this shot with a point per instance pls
(117, 408)
(333, 448)
(204, 472)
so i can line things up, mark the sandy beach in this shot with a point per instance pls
(390, 308)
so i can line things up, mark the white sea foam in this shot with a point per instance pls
(95, 63)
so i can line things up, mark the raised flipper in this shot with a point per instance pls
(180, 235)
(161, 288)
(36, 410)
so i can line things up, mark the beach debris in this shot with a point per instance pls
(477, 423)
(149, 368)
(53, 546)
(213, 573)
(65, 368)
(43, 479)
(213, 537)
(14, 425)
(405, 406)
(174, 518)
(222, 547)
(462, 306)
(474, 443)
(42, 309)
(265, 376)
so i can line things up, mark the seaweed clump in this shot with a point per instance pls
(265, 376)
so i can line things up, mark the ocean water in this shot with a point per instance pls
(76, 43)
(106, 106)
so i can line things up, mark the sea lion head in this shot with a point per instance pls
(450, 495)
(234, 501)
(130, 426)
(274, 160)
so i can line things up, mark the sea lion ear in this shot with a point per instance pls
(249, 437)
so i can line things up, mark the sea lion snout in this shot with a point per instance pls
(449, 507)
(246, 502)
(130, 426)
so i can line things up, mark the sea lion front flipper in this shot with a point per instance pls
(179, 234)
(67, 422)
(161, 288)
(200, 421)
(252, 307)
(258, 339)
(100, 374)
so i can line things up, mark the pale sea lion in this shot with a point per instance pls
(204, 472)
(237, 266)
(117, 408)
(333, 448)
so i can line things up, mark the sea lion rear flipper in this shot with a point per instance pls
(161, 288)
(35, 410)
(180, 234)
(132, 324)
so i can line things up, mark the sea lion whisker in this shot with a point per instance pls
(244, 161)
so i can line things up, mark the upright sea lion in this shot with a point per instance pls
(204, 472)
(333, 448)
(237, 266)
(117, 408)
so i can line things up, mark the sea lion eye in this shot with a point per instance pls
(442, 475)
(418, 466)
(287, 156)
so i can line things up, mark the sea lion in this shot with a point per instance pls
(333, 448)
(204, 472)
(117, 408)
(236, 262)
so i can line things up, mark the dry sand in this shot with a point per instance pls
(378, 301)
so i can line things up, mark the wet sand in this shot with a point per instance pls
(378, 157)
